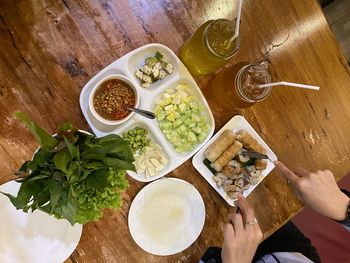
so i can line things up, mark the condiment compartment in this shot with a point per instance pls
(101, 128)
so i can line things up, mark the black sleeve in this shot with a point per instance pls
(346, 222)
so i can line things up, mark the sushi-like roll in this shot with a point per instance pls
(249, 142)
(219, 145)
(226, 156)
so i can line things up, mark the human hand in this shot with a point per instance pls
(242, 234)
(318, 190)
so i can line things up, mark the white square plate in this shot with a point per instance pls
(236, 123)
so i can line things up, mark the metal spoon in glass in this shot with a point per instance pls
(145, 113)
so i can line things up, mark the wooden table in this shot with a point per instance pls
(50, 49)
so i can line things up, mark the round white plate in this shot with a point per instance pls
(33, 237)
(166, 216)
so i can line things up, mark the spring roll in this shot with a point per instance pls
(227, 156)
(220, 145)
(249, 142)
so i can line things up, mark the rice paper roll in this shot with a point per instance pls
(227, 156)
(249, 142)
(219, 145)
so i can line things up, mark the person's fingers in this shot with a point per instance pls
(230, 218)
(292, 177)
(238, 223)
(246, 209)
(229, 232)
(301, 172)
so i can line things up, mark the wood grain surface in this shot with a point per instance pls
(50, 49)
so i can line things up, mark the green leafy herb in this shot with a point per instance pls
(73, 175)
(250, 162)
(46, 141)
(207, 164)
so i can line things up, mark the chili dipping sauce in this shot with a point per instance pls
(112, 98)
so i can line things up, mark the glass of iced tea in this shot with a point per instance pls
(238, 86)
(210, 47)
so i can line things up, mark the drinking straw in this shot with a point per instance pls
(291, 84)
(238, 19)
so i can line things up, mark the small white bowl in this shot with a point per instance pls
(91, 99)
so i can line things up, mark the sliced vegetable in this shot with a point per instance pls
(155, 68)
(181, 118)
(151, 161)
(137, 138)
(149, 157)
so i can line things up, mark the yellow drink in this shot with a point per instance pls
(237, 86)
(210, 47)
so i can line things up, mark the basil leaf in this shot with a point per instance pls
(109, 139)
(73, 172)
(61, 160)
(45, 209)
(119, 164)
(37, 177)
(69, 207)
(13, 200)
(99, 151)
(67, 126)
(94, 165)
(92, 155)
(71, 148)
(55, 188)
(122, 152)
(98, 179)
(40, 159)
(25, 192)
(42, 198)
(46, 141)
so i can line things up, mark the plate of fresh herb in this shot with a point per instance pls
(71, 178)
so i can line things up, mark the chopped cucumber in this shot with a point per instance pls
(181, 118)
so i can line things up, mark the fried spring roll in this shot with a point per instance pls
(220, 145)
(227, 156)
(249, 142)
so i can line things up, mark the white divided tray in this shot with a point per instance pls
(236, 123)
(126, 66)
